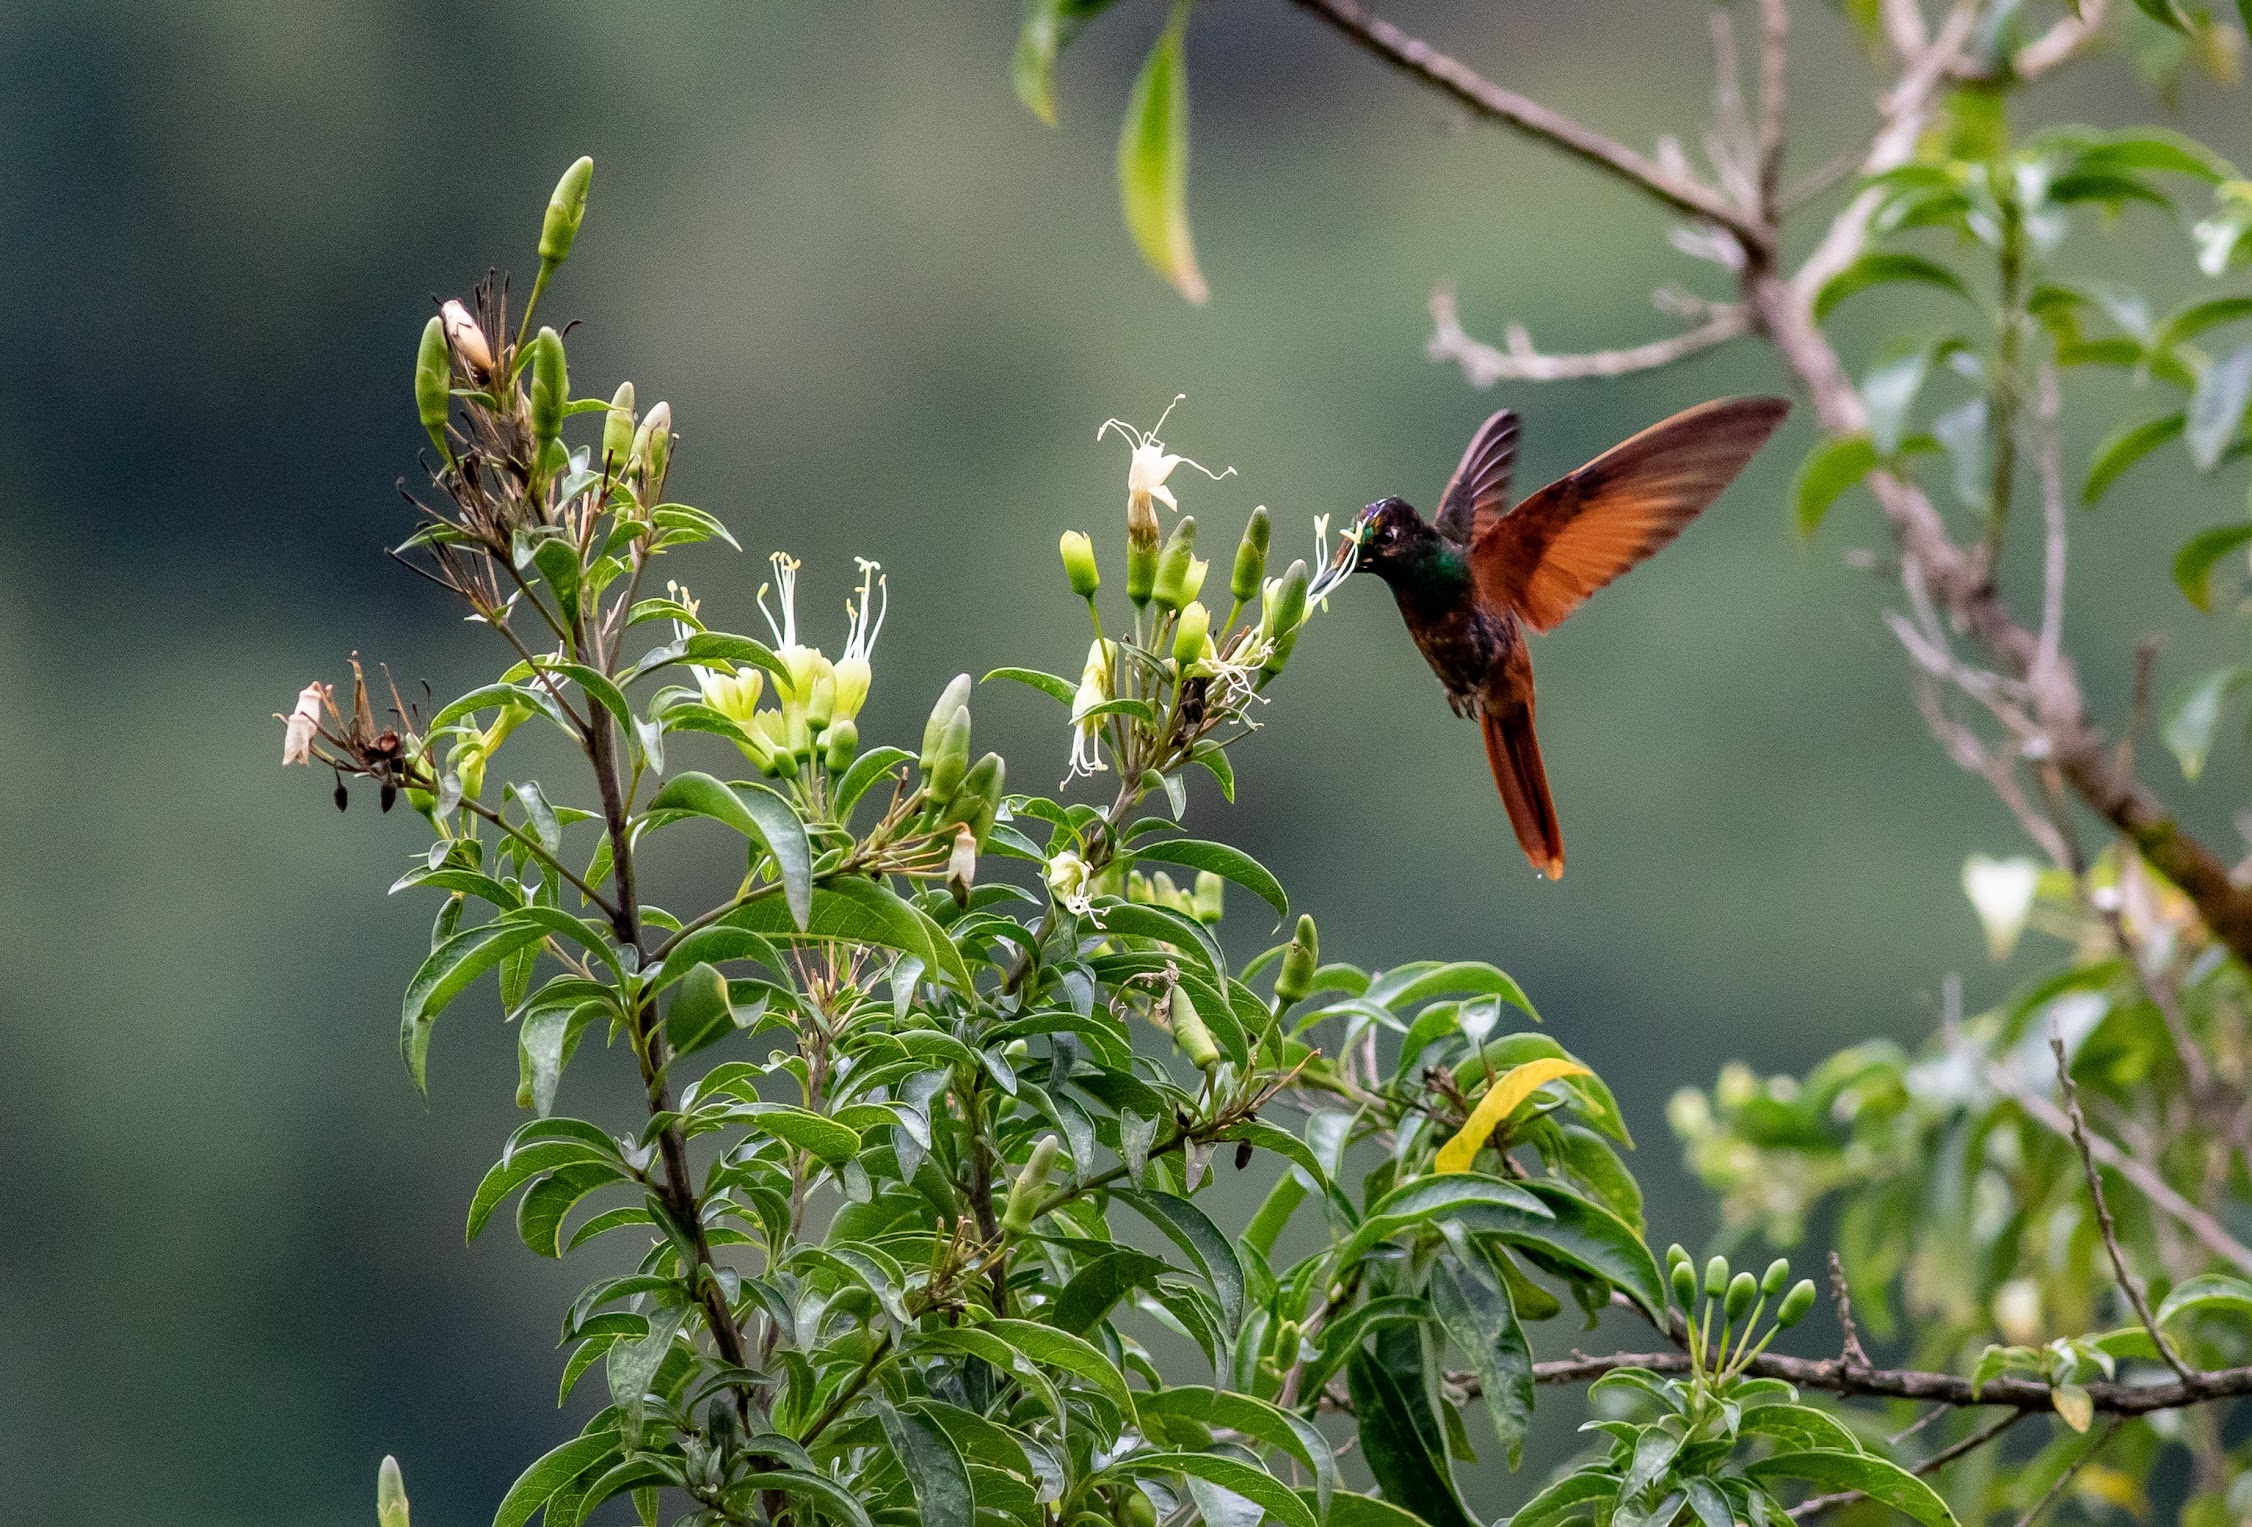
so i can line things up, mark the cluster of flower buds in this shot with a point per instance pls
(957, 793)
(1205, 901)
(817, 700)
(1737, 1299)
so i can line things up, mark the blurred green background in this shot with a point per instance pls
(889, 310)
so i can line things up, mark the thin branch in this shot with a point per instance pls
(2127, 1279)
(1483, 365)
(2208, 1230)
(2065, 37)
(2057, 1487)
(1832, 1376)
(1774, 38)
(1486, 99)
(2048, 462)
(1932, 1465)
(1855, 1354)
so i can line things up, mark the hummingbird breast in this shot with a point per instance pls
(1469, 648)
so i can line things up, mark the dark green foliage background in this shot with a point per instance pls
(889, 310)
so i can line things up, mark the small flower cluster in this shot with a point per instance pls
(1737, 1299)
(817, 701)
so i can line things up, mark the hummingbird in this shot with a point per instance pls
(1470, 582)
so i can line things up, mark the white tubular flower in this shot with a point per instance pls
(302, 724)
(1094, 690)
(1150, 465)
(733, 695)
(866, 619)
(805, 664)
(1067, 876)
(2001, 892)
(1335, 566)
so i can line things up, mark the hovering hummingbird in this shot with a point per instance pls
(1471, 581)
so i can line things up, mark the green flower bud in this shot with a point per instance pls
(1079, 563)
(1716, 1277)
(433, 383)
(951, 699)
(1795, 1304)
(1685, 1284)
(1193, 634)
(1742, 1290)
(821, 705)
(617, 431)
(1771, 1283)
(1138, 889)
(1141, 570)
(1250, 559)
(975, 799)
(1209, 900)
(1676, 1254)
(1170, 587)
(1299, 961)
(783, 765)
(1025, 1193)
(566, 209)
(843, 739)
(1190, 1033)
(652, 448)
(390, 1495)
(1284, 614)
(551, 386)
(951, 759)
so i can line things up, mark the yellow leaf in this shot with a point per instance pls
(2075, 1404)
(1509, 1089)
(1153, 161)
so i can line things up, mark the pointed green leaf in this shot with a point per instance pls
(2191, 720)
(1153, 160)
(1879, 268)
(2124, 447)
(1228, 863)
(1828, 470)
(758, 814)
(446, 974)
(1408, 1471)
(2216, 408)
(550, 1473)
(944, 1496)
(1193, 1231)
(1874, 1477)
(1477, 1318)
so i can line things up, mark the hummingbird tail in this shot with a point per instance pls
(1514, 753)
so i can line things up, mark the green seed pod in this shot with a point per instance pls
(1742, 1290)
(551, 386)
(1170, 587)
(433, 383)
(951, 699)
(1795, 1304)
(843, 740)
(1031, 1183)
(1209, 899)
(1194, 630)
(1778, 1272)
(951, 760)
(1190, 1033)
(1685, 1284)
(390, 1495)
(1676, 1254)
(1079, 563)
(1299, 961)
(1141, 571)
(1250, 558)
(566, 209)
(1716, 1277)
(617, 432)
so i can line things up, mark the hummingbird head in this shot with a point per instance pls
(1388, 532)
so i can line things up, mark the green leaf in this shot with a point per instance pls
(1408, 1471)
(2216, 408)
(1047, 683)
(2200, 316)
(1140, 920)
(1049, 26)
(1828, 470)
(522, 1163)
(1153, 160)
(1256, 1419)
(869, 767)
(552, 1472)
(1478, 1319)
(1348, 1509)
(1586, 1235)
(2165, 12)
(828, 1492)
(2126, 446)
(977, 1341)
(446, 974)
(758, 814)
(1277, 1499)
(1075, 1355)
(1800, 1427)
(1460, 978)
(1874, 1477)
(2207, 1291)
(540, 1212)
(701, 1013)
(944, 1496)
(1098, 1286)
(1228, 863)
(853, 910)
(802, 1129)
(2191, 719)
(1573, 1495)
(1879, 268)
(1189, 1228)
(1428, 1200)
(2200, 554)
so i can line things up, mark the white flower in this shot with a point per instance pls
(1151, 464)
(1067, 877)
(865, 623)
(302, 723)
(1094, 690)
(2001, 892)
(1335, 566)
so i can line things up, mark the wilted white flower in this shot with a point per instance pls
(1094, 690)
(302, 724)
(1151, 464)
(2001, 892)
(1067, 877)
(468, 340)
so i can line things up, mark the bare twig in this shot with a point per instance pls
(1856, 1356)
(1483, 365)
(2048, 460)
(1774, 38)
(2056, 1488)
(2127, 1280)
(2065, 37)
(1815, 1504)
(1491, 101)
